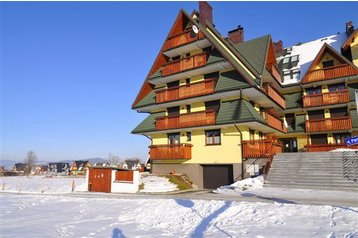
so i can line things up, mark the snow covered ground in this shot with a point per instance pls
(55, 216)
(155, 184)
(40, 184)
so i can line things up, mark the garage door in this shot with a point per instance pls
(215, 176)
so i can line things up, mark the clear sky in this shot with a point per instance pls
(71, 70)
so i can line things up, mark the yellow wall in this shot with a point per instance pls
(198, 107)
(301, 142)
(228, 152)
(354, 50)
(330, 138)
(159, 139)
(327, 57)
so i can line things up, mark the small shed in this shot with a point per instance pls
(112, 179)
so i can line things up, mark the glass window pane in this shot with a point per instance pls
(217, 140)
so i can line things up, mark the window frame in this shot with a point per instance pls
(213, 136)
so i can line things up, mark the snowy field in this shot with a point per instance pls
(61, 216)
(40, 184)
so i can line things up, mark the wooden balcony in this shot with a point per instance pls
(322, 99)
(274, 122)
(186, 120)
(185, 91)
(261, 148)
(168, 152)
(329, 124)
(333, 72)
(184, 64)
(274, 95)
(183, 38)
(328, 147)
(272, 68)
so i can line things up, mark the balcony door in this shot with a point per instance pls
(174, 139)
(314, 90)
(319, 139)
(319, 114)
(338, 112)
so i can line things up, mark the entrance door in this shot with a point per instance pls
(289, 145)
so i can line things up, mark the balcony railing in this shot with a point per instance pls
(167, 152)
(274, 122)
(187, 63)
(185, 91)
(328, 147)
(330, 98)
(337, 71)
(186, 120)
(182, 38)
(261, 148)
(329, 124)
(275, 72)
(274, 94)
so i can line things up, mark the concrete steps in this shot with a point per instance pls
(326, 171)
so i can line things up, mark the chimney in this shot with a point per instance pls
(236, 35)
(278, 46)
(205, 12)
(349, 28)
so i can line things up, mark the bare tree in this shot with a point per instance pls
(29, 161)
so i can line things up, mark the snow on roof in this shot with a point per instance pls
(307, 53)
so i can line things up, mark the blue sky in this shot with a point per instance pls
(71, 70)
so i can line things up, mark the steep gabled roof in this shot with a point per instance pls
(225, 48)
(255, 52)
(326, 48)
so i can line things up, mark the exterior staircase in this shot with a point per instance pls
(315, 170)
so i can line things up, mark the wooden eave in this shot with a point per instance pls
(349, 40)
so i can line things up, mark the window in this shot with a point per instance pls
(188, 108)
(213, 137)
(291, 74)
(173, 111)
(252, 134)
(212, 105)
(314, 90)
(174, 138)
(339, 138)
(336, 87)
(290, 62)
(188, 136)
(328, 63)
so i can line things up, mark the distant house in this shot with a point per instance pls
(102, 164)
(59, 168)
(132, 165)
(79, 167)
(39, 169)
(19, 168)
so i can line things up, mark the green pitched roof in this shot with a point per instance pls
(148, 124)
(293, 100)
(254, 51)
(237, 111)
(230, 80)
(149, 99)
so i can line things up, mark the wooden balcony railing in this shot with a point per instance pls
(187, 63)
(275, 72)
(274, 122)
(124, 176)
(274, 94)
(337, 71)
(329, 98)
(261, 148)
(164, 152)
(329, 124)
(186, 120)
(328, 147)
(185, 91)
(182, 38)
